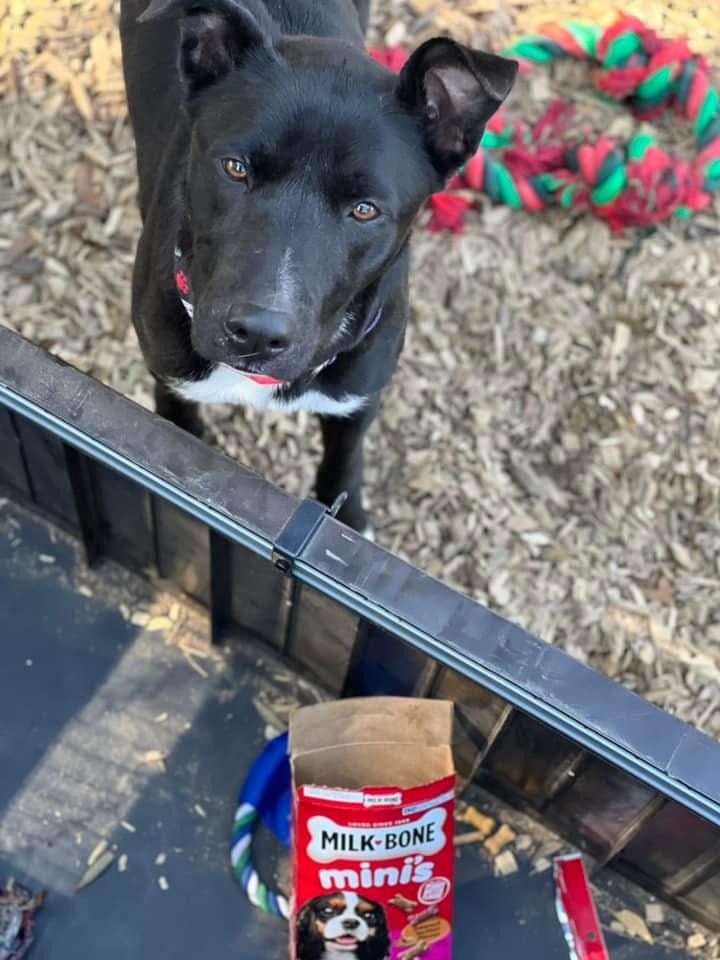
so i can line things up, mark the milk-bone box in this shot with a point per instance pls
(373, 820)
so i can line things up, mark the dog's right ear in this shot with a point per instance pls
(454, 91)
(215, 35)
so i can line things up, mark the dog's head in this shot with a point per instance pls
(307, 163)
(342, 925)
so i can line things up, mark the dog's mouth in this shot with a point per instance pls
(267, 380)
(346, 942)
(262, 379)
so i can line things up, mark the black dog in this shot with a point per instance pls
(280, 170)
(342, 926)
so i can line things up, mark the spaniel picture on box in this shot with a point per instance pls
(342, 926)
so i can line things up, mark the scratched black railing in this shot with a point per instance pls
(627, 782)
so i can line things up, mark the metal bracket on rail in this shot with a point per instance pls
(299, 531)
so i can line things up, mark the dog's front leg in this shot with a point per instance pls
(341, 468)
(183, 413)
(363, 12)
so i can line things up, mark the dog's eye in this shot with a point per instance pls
(236, 169)
(364, 211)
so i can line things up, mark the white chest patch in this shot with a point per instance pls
(225, 385)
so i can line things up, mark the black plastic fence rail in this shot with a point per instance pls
(626, 781)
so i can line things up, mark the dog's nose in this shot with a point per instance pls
(350, 924)
(255, 330)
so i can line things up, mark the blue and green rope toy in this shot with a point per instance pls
(265, 798)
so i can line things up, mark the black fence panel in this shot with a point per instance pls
(44, 457)
(13, 473)
(322, 637)
(676, 854)
(382, 665)
(703, 903)
(248, 595)
(602, 807)
(140, 445)
(182, 548)
(123, 523)
(594, 712)
(671, 849)
(529, 763)
(480, 718)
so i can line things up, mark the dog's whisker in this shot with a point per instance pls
(246, 356)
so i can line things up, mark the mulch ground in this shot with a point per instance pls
(550, 444)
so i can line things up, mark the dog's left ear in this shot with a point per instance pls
(307, 946)
(215, 35)
(455, 90)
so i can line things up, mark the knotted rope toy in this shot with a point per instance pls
(17, 919)
(265, 797)
(631, 184)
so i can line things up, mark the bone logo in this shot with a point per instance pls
(331, 841)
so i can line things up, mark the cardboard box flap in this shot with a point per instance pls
(353, 767)
(371, 720)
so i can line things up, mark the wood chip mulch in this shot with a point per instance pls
(551, 443)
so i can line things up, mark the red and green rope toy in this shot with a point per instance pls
(631, 184)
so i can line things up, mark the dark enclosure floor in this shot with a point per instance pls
(89, 704)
